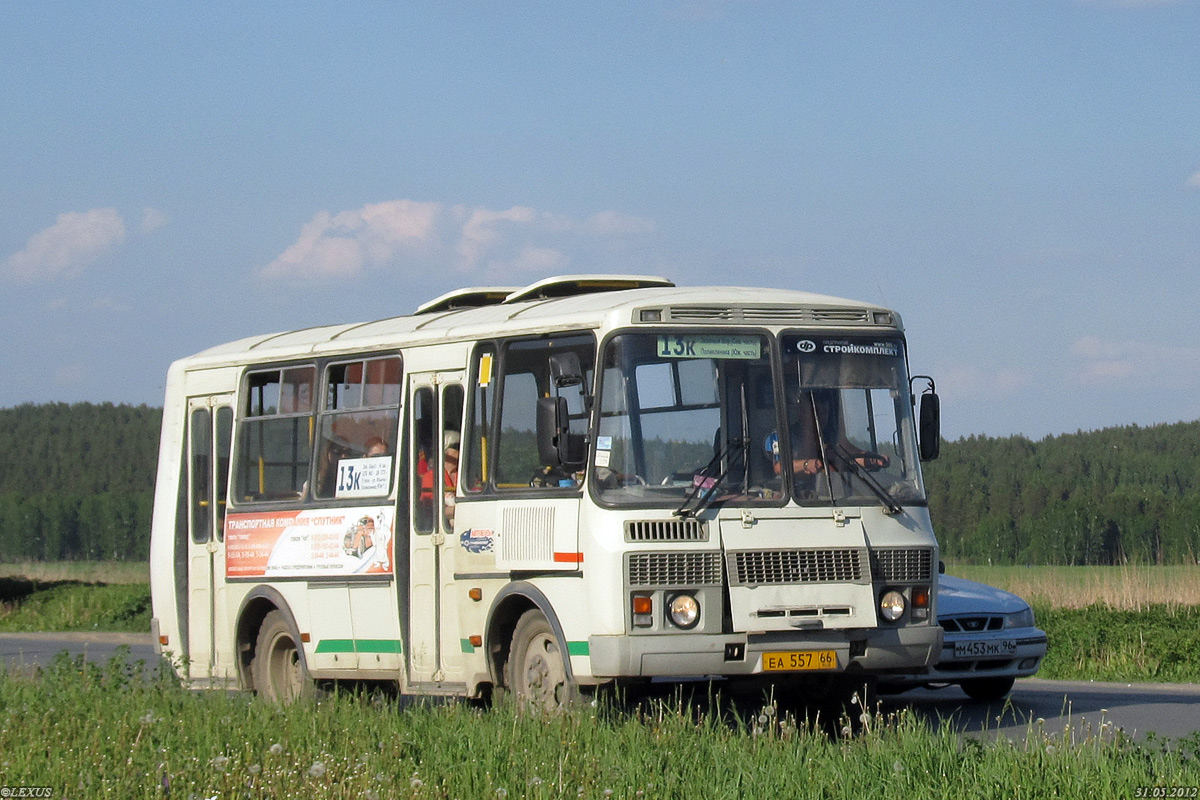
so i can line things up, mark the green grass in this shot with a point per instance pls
(1159, 644)
(27, 605)
(102, 732)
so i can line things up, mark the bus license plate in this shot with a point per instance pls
(798, 660)
(1000, 647)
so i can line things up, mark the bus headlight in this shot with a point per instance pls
(684, 611)
(891, 605)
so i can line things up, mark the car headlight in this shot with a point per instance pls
(684, 611)
(1021, 619)
(892, 605)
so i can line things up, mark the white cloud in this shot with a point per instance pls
(73, 242)
(1193, 182)
(971, 382)
(415, 238)
(153, 219)
(1106, 362)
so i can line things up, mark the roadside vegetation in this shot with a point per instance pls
(55, 605)
(125, 736)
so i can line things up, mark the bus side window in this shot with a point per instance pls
(478, 440)
(358, 421)
(525, 377)
(452, 410)
(425, 459)
(276, 442)
(201, 475)
(224, 442)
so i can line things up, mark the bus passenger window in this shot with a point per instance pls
(201, 474)
(358, 429)
(275, 448)
(425, 460)
(452, 409)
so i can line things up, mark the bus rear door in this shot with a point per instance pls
(210, 430)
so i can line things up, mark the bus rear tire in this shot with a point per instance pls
(278, 668)
(536, 672)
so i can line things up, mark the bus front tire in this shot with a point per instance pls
(536, 672)
(278, 668)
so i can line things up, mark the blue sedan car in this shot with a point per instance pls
(990, 641)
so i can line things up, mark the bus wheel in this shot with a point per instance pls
(277, 668)
(536, 669)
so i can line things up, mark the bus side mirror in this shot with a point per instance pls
(557, 446)
(930, 425)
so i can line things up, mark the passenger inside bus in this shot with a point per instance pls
(449, 473)
(816, 430)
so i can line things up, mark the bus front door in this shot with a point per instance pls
(435, 417)
(210, 431)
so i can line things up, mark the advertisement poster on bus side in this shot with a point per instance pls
(309, 543)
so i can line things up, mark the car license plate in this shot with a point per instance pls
(798, 660)
(995, 648)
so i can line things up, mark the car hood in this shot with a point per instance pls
(960, 596)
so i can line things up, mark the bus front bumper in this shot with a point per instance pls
(688, 655)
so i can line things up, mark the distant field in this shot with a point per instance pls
(1128, 588)
(82, 571)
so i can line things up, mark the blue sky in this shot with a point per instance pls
(1020, 180)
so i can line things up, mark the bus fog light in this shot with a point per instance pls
(684, 611)
(891, 605)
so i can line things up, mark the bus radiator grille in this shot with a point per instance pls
(674, 569)
(830, 565)
(902, 565)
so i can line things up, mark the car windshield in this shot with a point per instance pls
(851, 437)
(683, 418)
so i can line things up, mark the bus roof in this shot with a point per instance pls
(565, 303)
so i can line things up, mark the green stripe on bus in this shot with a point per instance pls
(377, 645)
(467, 647)
(359, 646)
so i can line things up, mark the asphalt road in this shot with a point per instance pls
(1083, 708)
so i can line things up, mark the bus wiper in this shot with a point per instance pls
(704, 489)
(844, 456)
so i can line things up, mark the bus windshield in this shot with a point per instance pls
(690, 419)
(682, 419)
(850, 423)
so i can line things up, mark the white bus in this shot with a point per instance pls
(656, 482)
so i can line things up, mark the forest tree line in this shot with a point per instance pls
(77, 482)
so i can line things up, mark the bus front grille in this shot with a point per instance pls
(663, 530)
(649, 570)
(829, 565)
(902, 565)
